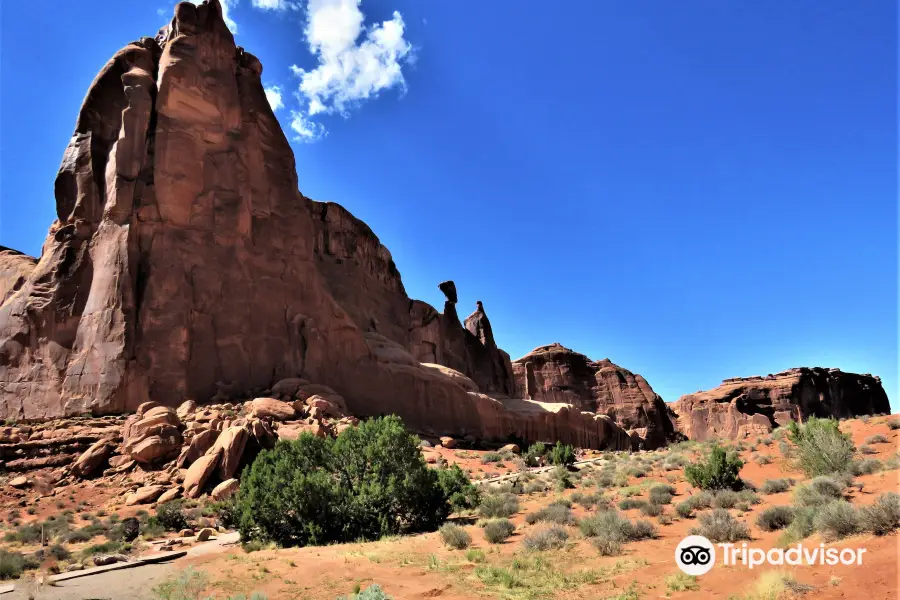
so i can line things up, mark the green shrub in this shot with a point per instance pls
(719, 471)
(686, 508)
(652, 510)
(59, 552)
(562, 454)
(455, 536)
(373, 592)
(867, 450)
(535, 453)
(642, 530)
(171, 515)
(726, 499)
(550, 538)
(893, 424)
(491, 457)
(821, 447)
(589, 501)
(661, 494)
(475, 556)
(876, 439)
(498, 505)
(630, 503)
(11, 564)
(836, 520)
(776, 486)
(457, 488)
(369, 482)
(561, 478)
(555, 513)
(497, 530)
(719, 526)
(866, 466)
(681, 582)
(775, 517)
(883, 516)
(801, 526)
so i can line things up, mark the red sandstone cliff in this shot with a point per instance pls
(185, 264)
(750, 406)
(556, 374)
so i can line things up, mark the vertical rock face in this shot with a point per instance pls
(743, 407)
(185, 264)
(556, 374)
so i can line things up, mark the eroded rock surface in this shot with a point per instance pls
(750, 406)
(556, 374)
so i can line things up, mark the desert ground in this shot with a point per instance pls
(535, 501)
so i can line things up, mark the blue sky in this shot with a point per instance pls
(696, 190)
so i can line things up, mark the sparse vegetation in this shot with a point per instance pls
(719, 526)
(498, 505)
(821, 447)
(498, 530)
(776, 486)
(775, 517)
(550, 538)
(681, 582)
(554, 513)
(455, 536)
(836, 520)
(883, 516)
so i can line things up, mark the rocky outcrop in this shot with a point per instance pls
(558, 375)
(185, 266)
(744, 407)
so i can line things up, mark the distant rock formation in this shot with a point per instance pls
(556, 374)
(748, 406)
(184, 264)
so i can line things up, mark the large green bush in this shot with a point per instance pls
(457, 488)
(535, 453)
(369, 482)
(719, 471)
(821, 447)
(562, 454)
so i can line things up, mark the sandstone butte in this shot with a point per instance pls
(185, 265)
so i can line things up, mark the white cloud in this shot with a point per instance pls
(273, 95)
(354, 63)
(306, 130)
(276, 4)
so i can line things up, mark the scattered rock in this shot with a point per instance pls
(225, 490)
(101, 560)
(270, 408)
(91, 459)
(169, 495)
(199, 473)
(186, 533)
(144, 495)
(186, 409)
(448, 442)
(20, 482)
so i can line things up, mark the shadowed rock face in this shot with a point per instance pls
(184, 263)
(750, 406)
(556, 374)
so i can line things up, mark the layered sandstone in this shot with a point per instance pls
(749, 406)
(555, 373)
(184, 264)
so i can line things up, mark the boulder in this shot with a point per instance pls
(92, 459)
(130, 529)
(322, 406)
(101, 560)
(198, 446)
(145, 495)
(230, 444)
(270, 408)
(292, 431)
(186, 533)
(448, 442)
(288, 387)
(205, 533)
(199, 473)
(186, 409)
(513, 448)
(19, 482)
(169, 495)
(152, 435)
(225, 490)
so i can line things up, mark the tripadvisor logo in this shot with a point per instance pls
(696, 555)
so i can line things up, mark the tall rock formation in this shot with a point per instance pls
(749, 406)
(556, 374)
(185, 264)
